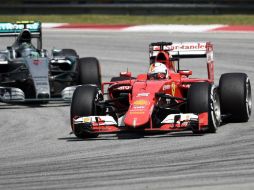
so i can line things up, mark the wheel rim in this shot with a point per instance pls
(216, 105)
(216, 112)
(248, 100)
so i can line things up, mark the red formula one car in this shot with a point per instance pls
(165, 99)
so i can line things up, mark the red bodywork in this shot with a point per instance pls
(138, 109)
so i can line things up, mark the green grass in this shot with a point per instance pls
(120, 19)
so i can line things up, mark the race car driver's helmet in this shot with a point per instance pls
(157, 71)
(25, 36)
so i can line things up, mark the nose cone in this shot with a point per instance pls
(138, 114)
(136, 119)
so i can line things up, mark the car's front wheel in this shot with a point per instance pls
(84, 104)
(204, 97)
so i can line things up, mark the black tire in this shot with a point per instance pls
(204, 97)
(68, 52)
(114, 79)
(235, 95)
(89, 71)
(29, 89)
(83, 104)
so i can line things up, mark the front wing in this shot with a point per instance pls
(16, 95)
(172, 123)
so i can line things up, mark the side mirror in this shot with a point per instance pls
(185, 72)
(44, 53)
(125, 74)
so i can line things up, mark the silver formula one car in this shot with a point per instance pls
(30, 74)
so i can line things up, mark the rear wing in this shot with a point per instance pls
(13, 29)
(178, 50)
(8, 29)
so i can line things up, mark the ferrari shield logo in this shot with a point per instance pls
(173, 88)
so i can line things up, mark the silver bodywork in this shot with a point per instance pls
(29, 73)
(38, 68)
(39, 72)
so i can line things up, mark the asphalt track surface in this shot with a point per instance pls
(37, 151)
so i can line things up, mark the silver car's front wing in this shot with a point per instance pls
(12, 95)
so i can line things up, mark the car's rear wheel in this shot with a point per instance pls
(89, 71)
(204, 97)
(235, 95)
(66, 53)
(84, 104)
(121, 78)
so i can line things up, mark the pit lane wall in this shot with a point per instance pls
(127, 7)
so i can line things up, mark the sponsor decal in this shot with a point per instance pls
(143, 94)
(10, 26)
(138, 107)
(173, 88)
(37, 62)
(194, 46)
(156, 47)
(42, 83)
(41, 80)
(186, 85)
(166, 87)
(86, 119)
(182, 46)
(140, 103)
(124, 88)
(137, 112)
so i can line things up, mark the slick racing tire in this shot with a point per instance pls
(68, 52)
(83, 104)
(89, 71)
(115, 79)
(235, 96)
(29, 89)
(204, 97)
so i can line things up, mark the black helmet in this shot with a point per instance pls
(25, 36)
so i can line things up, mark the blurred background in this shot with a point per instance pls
(127, 7)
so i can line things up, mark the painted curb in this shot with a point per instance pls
(150, 28)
